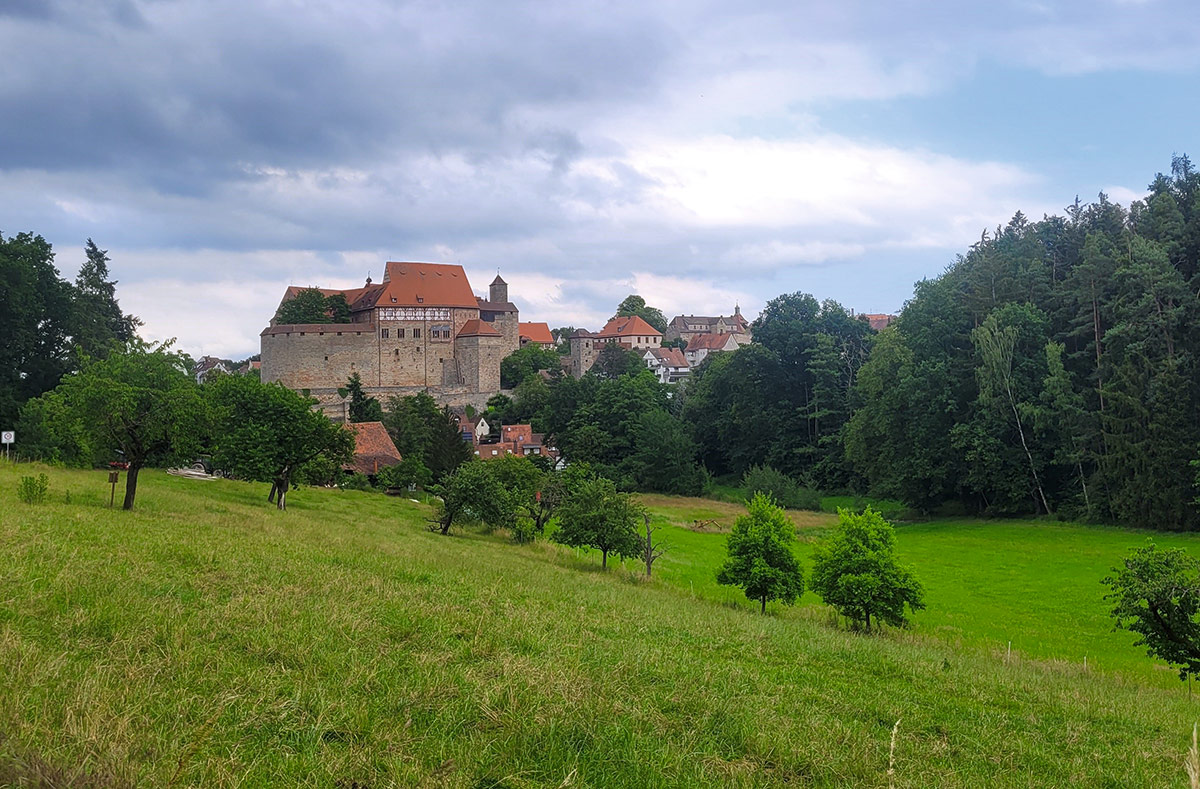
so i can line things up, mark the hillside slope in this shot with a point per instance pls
(207, 639)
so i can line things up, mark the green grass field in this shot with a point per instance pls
(209, 640)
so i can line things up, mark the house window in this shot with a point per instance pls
(416, 334)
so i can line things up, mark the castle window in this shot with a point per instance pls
(383, 333)
(397, 352)
(400, 334)
(326, 358)
(440, 332)
(416, 334)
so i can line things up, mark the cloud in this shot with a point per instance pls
(222, 150)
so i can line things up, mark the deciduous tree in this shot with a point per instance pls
(759, 555)
(855, 571)
(1156, 594)
(596, 516)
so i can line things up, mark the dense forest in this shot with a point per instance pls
(1052, 369)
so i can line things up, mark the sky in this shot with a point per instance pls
(700, 154)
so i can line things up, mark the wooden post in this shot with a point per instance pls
(113, 478)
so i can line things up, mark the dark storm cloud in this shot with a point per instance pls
(187, 99)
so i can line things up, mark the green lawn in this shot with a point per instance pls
(209, 640)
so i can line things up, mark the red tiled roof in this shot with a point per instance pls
(671, 357)
(631, 326)
(535, 332)
(373, 448)
(878, 321)
(709, 342)
(478, 328)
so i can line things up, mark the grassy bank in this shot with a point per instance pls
(207, 639)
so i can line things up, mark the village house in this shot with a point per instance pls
(701, 345)
(668, 364)
(878, 321)
(516, 440)
(421, 329)
(538, 334)
(685, 327)
(631, 333)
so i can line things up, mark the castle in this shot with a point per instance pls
(421, 329)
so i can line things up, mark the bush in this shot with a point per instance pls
(783, 489)
(355, 481)
(32, 490)
(411, 471)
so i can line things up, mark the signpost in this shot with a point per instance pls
(113, 478)
(8, 438)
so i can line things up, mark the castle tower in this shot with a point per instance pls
(498, 290)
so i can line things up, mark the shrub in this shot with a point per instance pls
(783, 489)
(32, 490)
(355, 481)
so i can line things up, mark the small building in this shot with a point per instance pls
(472, 428)
(537, 333)
(669, 364)
(211, 365)
(373, 448)
(630, 332)
(701, 345)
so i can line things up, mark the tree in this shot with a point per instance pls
(614, 361)
(597, 516)
(363, 407)
(312, 306)
(408, 472)
(855, 571)
(472, 492)
(268, 433)
(522, 363)
(664, 456)
(759, 555)
(636, 305)
(1156, 594)
(420, 428)
(536, 493)
(99, 321)
(37, 326)
(651, 550)
(138, 401)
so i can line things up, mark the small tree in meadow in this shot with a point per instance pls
(856, 571)
(472, 492)
(760, 558)
(1156, 594)
(595, 515)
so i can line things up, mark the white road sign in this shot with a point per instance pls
(8, 437)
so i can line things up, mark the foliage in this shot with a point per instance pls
(1052, 368)
(472, 492)
(596, 516)
(363, 407)
(663, 459)
(268, 433)
(312, 306)
(784, 490)
(421, 429)
(614, 360)
(636, 305)
(139, 402)
(32, 490)
(408, 472)
(522, 363)
(855, 571)
(354, 481)
(98, 318)
(1156, 594)
(759, 555)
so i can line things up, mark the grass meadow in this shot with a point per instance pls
(207, 639)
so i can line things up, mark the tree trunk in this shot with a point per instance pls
(1012, 401)
(271, 495)
(603, 560)
(282, 485)
(131, 485)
